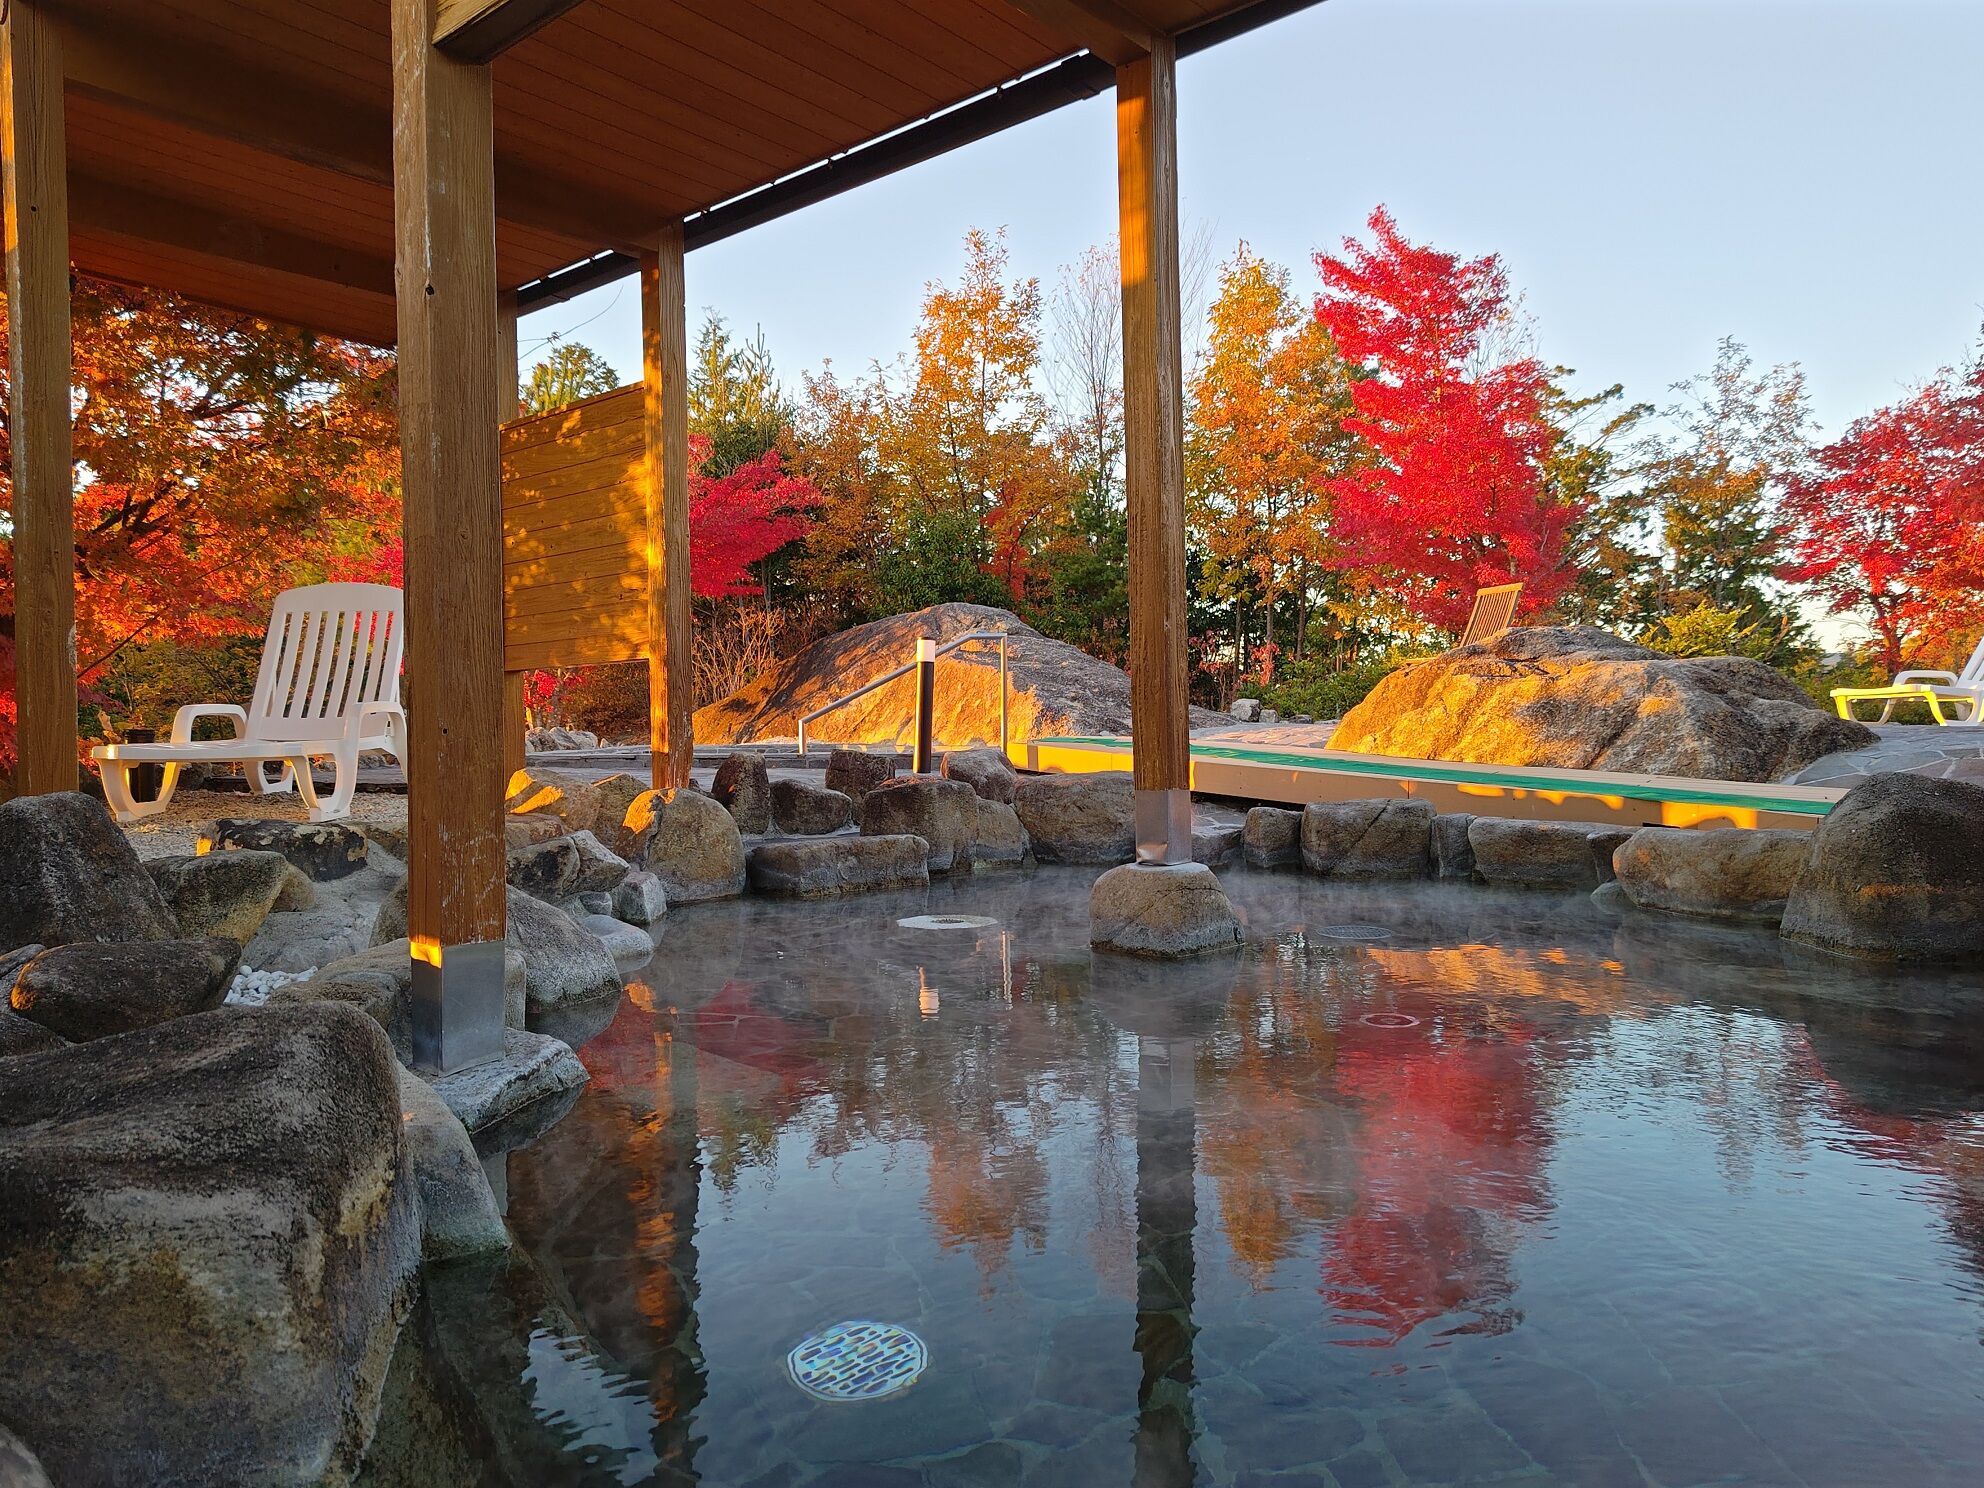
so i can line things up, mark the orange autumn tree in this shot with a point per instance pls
(941, 473)
(219, 459)
(1266, 439)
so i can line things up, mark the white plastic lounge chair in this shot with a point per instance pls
(1946, 693)
(1494, 610)
(329, 686)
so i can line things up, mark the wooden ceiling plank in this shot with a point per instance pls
(125, 210)
(888, 68)
(242, 289)
(204, 90)
(1102, 26)
(670, 24)
(482, 30)
(968, 55)
(561, 55)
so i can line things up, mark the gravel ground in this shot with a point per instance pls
(175, 829)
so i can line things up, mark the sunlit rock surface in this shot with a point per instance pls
(1576, 697)
(688, 842)
(1055, 688)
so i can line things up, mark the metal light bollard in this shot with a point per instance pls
(926, 702)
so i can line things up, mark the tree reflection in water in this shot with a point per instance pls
(1066, 1122)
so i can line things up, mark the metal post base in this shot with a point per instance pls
(458, 1008)
(1164, 826)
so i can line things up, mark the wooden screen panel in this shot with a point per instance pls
(575, 535)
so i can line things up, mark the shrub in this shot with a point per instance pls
(1316, 687)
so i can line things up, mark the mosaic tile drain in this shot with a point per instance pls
(1354, 932)
(948, 922)
(1389, 1020)
(857, 1361)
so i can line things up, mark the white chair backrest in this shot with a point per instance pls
(1973, 669)
(330, 648)
(1494, 610)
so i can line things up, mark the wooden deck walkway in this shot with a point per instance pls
(1297, 775)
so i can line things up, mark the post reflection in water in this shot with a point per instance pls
(1513, 1191)
(1167, 1216)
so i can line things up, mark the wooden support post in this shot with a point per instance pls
(665, 379)
(37, 226)
(509, 404)
(1154, 451)
(444, 203)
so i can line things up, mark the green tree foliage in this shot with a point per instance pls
(565, 374)
(735, 400)
(1737, 437)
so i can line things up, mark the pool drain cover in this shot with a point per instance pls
(1389, 1020)
(858, 1361)
(1355, 932)
(948, 922)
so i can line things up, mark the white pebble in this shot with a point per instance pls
(252, 988)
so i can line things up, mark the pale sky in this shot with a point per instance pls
(1801, 174)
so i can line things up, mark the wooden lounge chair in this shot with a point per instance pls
(1946, 693)
(329, 686)
(1494, 610)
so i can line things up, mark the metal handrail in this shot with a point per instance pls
(1002, 637)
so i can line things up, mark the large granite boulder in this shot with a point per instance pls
(1078, 818)
(743, 787)
(1271, 835)
(20, 1035)
(1368, 839)
(688, 842)
(998, 839)
(802, 809)
(1453, 853)
(855, 772)
(68, 874)
(19, 1468)
(322, 851)
(1054, 688)
(986, 771)
(944, 813)
(1726, 873)
(204, 1263)
(546, 870)
(1896, 872)
(563, 961)
(639, 898)
(1577, 697)
(459, 1215)
(91, 991)
(1167, 911)
(1522, 854)
(604, 807)
(225, 893)
(536, 1072)
(600, 868)
(12, 963)
(827, 867)
(379, 982)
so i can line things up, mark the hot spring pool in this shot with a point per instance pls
(1428, 1185)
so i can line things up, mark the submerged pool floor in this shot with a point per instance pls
(1427, 1185)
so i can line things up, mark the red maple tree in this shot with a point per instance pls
(1455, 498)
(1890, 521)
(740, 519)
